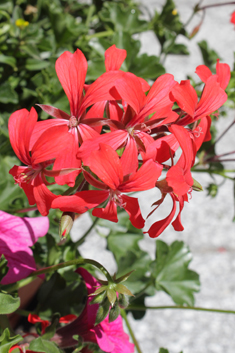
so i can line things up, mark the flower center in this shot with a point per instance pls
(73, 122)
(27, 176)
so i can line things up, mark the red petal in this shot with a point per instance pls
(114, 139)
(109, 212)
(177, 222)
(42, 126)
(129, 157)
(144, 179)
(81, 201)
(86, 132)
(55, 112)
(185, 96)
(224, 75)
(71, 70)
(67, 158)
(131, 205)
(158, 227)
(21, 124)
(114, 58)
(51, 143)
(161, 149)
(43, 196)
(67, 318)
(106, 165)
(202, 132)
(102, 89)
(176, 179)
(130, 89)
(203, 72)
(213, 97)
(158, 96)
(28, 188)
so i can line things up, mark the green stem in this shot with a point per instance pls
(209, 171)
(45, 270)
(216, 5)
(100, 35)
(123, 313)
(196, 308)
(82, 239)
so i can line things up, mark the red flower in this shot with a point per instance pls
(105, 163)
(213, 97)
(232, 19)
(71, 70)
(222, 72)
(32, 178)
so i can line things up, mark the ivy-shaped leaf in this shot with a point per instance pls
(172, 274)
(6, 342)
(8, 304)
(41, 345)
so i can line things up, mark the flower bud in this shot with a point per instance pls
(112, 296)
(103, 311)
(196, 186)
(123, 301)
(66, 223)
(114, 312)
(99, 298)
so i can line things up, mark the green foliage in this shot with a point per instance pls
(41, 345)
(171, 272)
(6, 341)
(8, 304)
(209, 55)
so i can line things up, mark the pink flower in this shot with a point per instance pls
(16, 236)
(109, 336)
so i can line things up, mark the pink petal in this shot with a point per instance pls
(71, 70)
(16, 235)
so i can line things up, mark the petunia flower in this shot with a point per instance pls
(16, 236)
(109, 336)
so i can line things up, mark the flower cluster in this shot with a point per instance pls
(121, 136)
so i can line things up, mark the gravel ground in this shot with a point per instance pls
(209, 230)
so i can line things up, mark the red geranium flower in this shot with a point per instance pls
(116, 180)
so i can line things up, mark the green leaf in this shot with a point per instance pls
(172, 274)
(123, 18)
(209, 55)
(163, 350)
(9, 60)
(6, 342)
(35, 64)
(8, 94)
(3, 267)
(41, 345)
(147, 67)
(8, 304)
